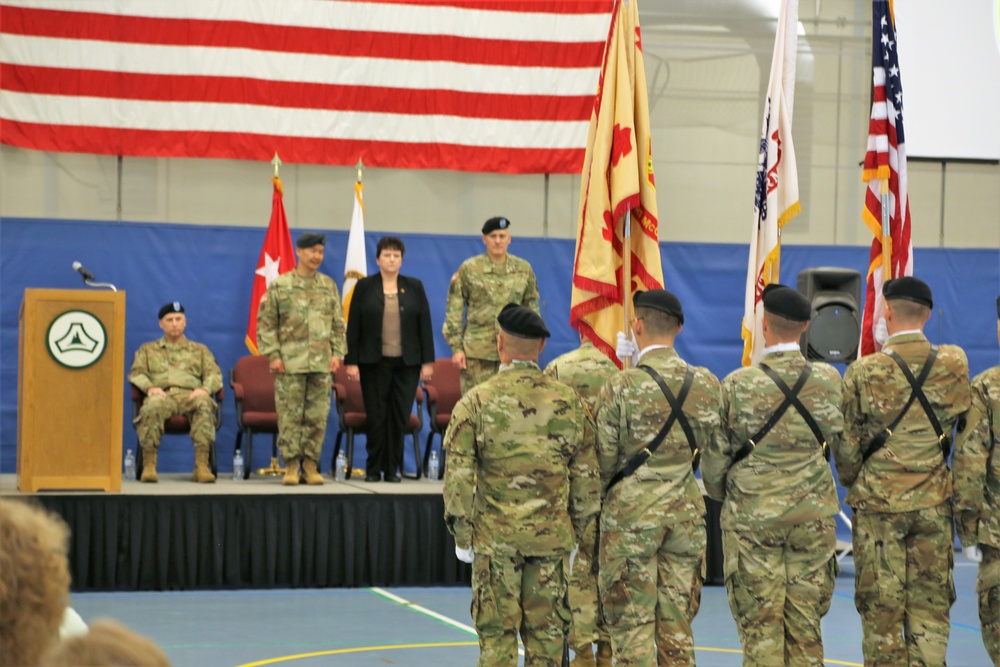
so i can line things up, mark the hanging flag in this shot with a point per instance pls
(776, 200)
(887, 206)
(468, 85)
(276, 257)
(617, 179)
(356, 264)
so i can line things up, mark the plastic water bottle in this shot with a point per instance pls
(340, 471)
(433, 466)
(129, 466)
(238, 466)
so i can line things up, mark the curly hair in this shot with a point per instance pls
(34, 589)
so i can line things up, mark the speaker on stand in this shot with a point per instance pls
(835, 328)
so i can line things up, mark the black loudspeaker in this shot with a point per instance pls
(835, 328)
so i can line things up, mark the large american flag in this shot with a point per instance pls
(471, 85)
(885, 160)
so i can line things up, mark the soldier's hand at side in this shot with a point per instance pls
(459, 359)
(335, 362)
(464, 555)
(277, 366)
(974, 554)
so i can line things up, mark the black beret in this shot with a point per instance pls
(494, 224)
(910, 289)
(522, 322)
(659, 299)
(172, 307)
(786, 302)
(310, 239)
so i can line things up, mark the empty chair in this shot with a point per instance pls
(443, 392)
(253, 391)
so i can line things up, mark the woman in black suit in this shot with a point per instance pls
(390, 346)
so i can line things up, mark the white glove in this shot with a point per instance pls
(627, 349)
(572, 557)
(881, 332)
(974, 554)
(464, 555)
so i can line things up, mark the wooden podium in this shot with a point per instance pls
(70, 381)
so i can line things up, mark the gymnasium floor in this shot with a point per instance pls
(430, 626)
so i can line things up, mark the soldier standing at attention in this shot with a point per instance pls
(977, 497)
(179, 377)
(900, 406)
(479, 289)
(520, 491)
(586, 369)
(768, 466)
(652, 526)
(300, 328)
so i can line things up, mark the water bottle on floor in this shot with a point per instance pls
(433, 466)
(129, 466)
(340, 471)
(238, 466)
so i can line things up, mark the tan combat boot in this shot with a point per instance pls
(311, 473)
(584, 656)
(291, 477)
(149, 465)
(202, 471)
(604, 654)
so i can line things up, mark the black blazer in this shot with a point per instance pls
(364, 322)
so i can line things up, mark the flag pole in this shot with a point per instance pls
(627, 280)
(886, 232)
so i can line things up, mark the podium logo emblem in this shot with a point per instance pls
(76, 339)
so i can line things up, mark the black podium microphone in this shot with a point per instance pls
(87, 275)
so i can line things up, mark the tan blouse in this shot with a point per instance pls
(392, 335)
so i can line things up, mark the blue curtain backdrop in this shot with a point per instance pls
(209, 270)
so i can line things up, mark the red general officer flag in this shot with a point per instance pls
(276, 257)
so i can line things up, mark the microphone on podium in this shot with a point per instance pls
(87, 275)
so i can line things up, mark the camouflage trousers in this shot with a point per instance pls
(780, 582)
(303, 404)
(650, 585)
(476, 371)
(903, 586)
(156, 410)
(988, 588)
(588, 626)
(520, 594)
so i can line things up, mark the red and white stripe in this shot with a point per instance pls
(473, 86)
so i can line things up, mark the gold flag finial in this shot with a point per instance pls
(360, 166)
(277, 163)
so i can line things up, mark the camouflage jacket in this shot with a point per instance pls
(521, 475)
(785, 479)
(631, 408)
(586, 369)
(976, 471)
(910, 471)
(301, 322)
(478, 292)
(187, 364)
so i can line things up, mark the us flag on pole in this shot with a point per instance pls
(885, 159)
(471, 85)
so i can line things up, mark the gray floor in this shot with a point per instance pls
(429, 626)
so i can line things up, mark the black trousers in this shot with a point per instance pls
(388, 389)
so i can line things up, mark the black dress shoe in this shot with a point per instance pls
(373, 477)
(393, 478)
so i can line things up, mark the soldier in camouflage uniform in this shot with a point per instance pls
(586, 369)
(900, 492)
(300, 328)
(778, 496)
(179, 377)
(479, 289)
(977, 497)
(652, 527)
(520, 491)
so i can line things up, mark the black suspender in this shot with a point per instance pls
(791, 399)
(916, 393)
(676, 414)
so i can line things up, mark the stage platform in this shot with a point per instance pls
(178, 535)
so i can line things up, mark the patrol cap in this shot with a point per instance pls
(786, 302)
(910, 289)
(522, 322)
(494, 224)
(660, 299)
(310, 239)
(172, 307)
